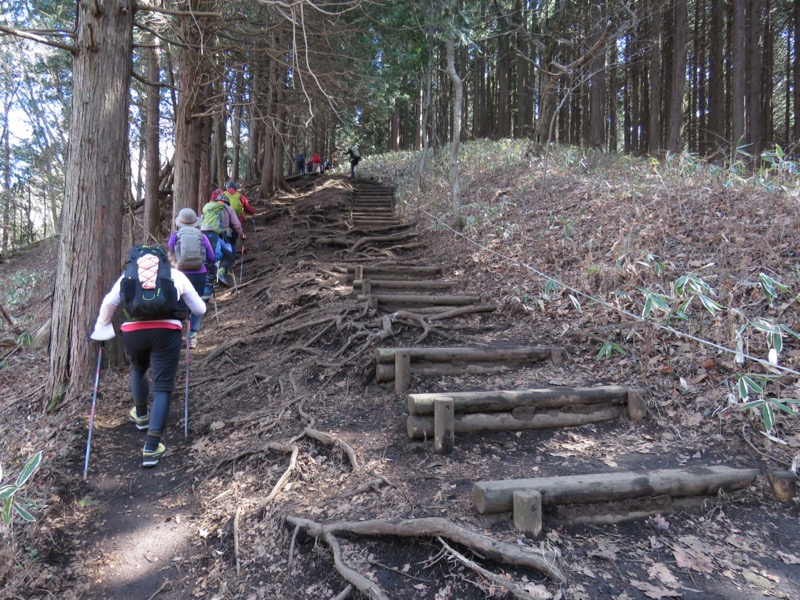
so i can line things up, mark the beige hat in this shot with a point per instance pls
(187, 218)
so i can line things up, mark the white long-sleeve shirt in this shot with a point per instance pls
(185, 290)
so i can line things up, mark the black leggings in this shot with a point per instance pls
(158, 350)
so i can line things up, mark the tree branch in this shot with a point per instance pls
(37, 38)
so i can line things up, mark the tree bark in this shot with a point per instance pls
(678, 85)
(597, 102)
(654, 112)
(753, 103)
(716, 82)
(455, 173)
(91, 223)
(739, 75)
(191, 140)
(152, 206)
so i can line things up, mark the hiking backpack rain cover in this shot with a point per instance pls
(147, 290)
(189, 249)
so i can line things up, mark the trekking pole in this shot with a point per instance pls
(186, 394)
(94, 405)
(241, 264)
(255, 233)
(214, 297)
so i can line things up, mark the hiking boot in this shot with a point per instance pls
(150, 458)
(140, 422)
(193, 339)
(221, 278)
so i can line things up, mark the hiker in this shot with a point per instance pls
(316, 163)
(238, 202)
(192, 250)
(300, 163)
(220, 220)
(155, 298)
(355, 158)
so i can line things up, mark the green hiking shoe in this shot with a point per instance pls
(140, 422)
(150, 458)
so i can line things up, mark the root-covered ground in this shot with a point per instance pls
(297, 478)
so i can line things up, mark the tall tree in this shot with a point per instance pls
(152, 205)
(754, 132)
(91, 223)
(678, 77)
(192, 132)
(455, 173)
(738, 72)
(597, 103)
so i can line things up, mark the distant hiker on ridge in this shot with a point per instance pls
(355, 158)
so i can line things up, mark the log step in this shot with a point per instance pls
(532, 399)
(397, 270)
(491, 497)
(533, 353)
(398, 284)
(422, 426)
(409, 299)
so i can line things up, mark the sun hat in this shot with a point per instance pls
(187, 218)
(232, 184)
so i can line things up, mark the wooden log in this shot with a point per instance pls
(527, 512)
(438, 313)
(535, 353)
(557, 356)
(404, 284)
(402, 369)
(464, 310)
(384, 373)
(440, 299)
(397, 269)
(443, 430)
(626, 509)
(421, 427)
(637, 407)
(497, 496)
(782, 484)
(506, 400)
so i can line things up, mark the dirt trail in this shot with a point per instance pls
(292, 354)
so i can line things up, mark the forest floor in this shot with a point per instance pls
(288, 355)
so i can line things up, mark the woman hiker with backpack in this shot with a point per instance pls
(220, 220)
(192, 251)
(155, 297)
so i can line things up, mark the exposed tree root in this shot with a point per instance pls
(286, 474)
(543, 561)
(504, 583)
(370, 486)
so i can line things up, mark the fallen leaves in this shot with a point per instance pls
(652, 591)
(693, 555)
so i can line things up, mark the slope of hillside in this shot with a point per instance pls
(288, 426)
